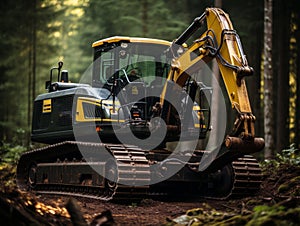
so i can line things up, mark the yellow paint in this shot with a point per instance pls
(130, 39)
(134, 90)
(47, 106)
(80, 117)
(185, 65)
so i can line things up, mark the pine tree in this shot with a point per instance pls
(268, 82)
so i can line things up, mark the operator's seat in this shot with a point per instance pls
(134, 93)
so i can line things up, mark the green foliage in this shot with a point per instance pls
(27, 47)
(289, 156)
(260, 215)
(209, 216)
(274, 215)
(263, 210)
(10, 153)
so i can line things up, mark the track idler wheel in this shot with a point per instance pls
(221, 182)
(111, 177)
(32, 178)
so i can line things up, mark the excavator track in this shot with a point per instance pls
(133, 172)
(128, 166)
(247, 177)
(61, 169)
(243, 177)
(231, 176)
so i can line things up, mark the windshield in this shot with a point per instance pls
(129, 61)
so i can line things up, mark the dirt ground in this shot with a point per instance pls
(280, 192)
(150, 212)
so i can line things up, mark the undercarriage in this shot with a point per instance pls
(128, 173)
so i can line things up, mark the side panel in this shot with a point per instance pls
(52, 119)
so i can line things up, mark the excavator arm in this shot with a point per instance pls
(221, 42)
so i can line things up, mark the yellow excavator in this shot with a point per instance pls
(132, 129)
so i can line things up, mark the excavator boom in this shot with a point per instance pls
(221, 42)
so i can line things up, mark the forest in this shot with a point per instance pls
(36, 34)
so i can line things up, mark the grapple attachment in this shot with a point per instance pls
(245, 146)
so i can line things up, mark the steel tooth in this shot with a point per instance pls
(248, 163)
(247, 168)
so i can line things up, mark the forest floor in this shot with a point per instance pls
(277, 203)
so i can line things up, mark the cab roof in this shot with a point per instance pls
(130, 39)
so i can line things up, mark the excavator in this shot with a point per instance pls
(132, 129)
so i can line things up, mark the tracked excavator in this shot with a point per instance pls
(126, 133)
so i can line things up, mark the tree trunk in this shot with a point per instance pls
(31, 69)
(34, 49)
(29, 100)
(218, 3)
(297, 121)
(268, 82)
(297, 36)
(282, 86)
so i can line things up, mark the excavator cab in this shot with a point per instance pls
(128, 67)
